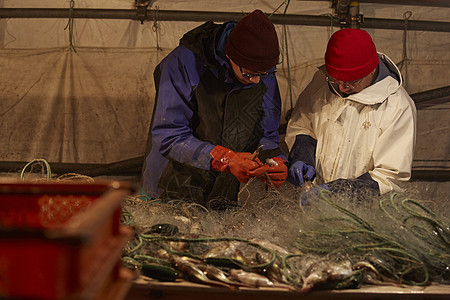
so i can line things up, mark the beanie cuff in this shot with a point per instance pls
(253, 43)
(350, 74)
(250, 63)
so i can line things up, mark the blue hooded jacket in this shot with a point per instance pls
(200, 104)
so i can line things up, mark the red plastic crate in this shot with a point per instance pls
(59, 240)
(113, 288)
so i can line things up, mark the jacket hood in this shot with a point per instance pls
(208, 42)
(202, 40)
(379, 91)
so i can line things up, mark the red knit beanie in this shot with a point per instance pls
(253, 43)
(350, 55)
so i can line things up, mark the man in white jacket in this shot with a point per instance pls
(354, 125)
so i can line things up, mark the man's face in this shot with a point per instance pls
(246, 76)
(352, 87)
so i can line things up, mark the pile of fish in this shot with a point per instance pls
(163, 253)
(272, 242)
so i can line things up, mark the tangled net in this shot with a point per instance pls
(401, 237)
(333, 242)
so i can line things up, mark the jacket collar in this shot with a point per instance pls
(388, 82)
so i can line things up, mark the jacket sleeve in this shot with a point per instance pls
(304, 149)
(394, 151)
(302, 118)
(358, 188)
(271, 121)
(171, 131)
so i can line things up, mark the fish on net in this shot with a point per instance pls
(331, 243)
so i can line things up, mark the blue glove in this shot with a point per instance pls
(297, 172)
(312, 193)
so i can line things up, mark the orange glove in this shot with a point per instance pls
(240, 164)
(277, 172)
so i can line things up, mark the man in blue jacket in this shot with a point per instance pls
(217, 103)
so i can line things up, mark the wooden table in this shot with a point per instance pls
(148, 289)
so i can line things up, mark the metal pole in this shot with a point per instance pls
(435, 3)
(431, 94)
(202, 16)
(400, 25)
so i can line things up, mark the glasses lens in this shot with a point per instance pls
(262, 75)
(346, 84)
(255, 75)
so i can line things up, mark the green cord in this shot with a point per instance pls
(138, 246)
(147, 258)
(440, 228)
(343, 210)
(38, 160)
(382, 244)
(126, 217)
(286, 268)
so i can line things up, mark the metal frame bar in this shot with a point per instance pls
(434, 3)
(202, 16)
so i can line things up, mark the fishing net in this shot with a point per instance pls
(402, 237)
(338, 240)
(332, 241)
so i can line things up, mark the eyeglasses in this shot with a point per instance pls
(346, 84)
(262, 75)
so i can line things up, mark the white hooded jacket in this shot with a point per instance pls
(371, 131)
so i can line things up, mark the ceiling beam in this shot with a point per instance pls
(433, 3)
(203, 16)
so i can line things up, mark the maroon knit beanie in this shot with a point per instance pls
(350, 55)
(253, 43)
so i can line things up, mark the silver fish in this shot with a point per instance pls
(273, 272)
(192, 273)
(272, 247)
(257, 280)
(217, 274)
(226, 249)
(322, 272)
(372, 276)
(250, 278)
(367, 266)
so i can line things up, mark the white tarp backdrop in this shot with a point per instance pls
(94, 105)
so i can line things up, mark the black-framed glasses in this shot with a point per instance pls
(262, 75)
(346, 84)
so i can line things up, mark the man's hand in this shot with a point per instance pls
(312, 194)
(240, 164)
(277, 171)
(300, 171)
